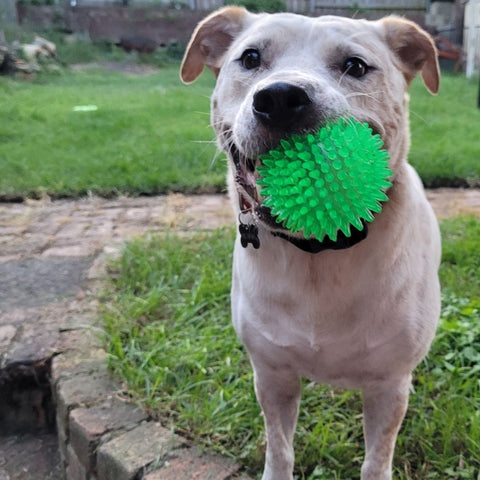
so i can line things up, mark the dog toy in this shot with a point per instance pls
(325, 182)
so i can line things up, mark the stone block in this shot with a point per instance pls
(81, 390)
(75, 363)
(125, 456)
(75, 338)
(192, 464)
(74, 230)
(35, 344)
(89, 425)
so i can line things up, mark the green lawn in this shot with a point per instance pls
(445, 128)
(170, 340)
(151, 135)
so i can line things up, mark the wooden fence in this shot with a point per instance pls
(299, 6)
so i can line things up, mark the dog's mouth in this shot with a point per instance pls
(246, 181)
(246, 175)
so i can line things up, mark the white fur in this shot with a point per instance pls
(363, 317)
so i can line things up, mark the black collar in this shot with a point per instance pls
(249, 234)
(312, 245)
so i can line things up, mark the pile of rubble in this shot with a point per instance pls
(27, 59)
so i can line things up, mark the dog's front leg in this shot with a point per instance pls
(384, 407)
(278, 392)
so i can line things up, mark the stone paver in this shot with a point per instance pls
(193, 464)
(88, 426)
(34, 281)
(125, 456)
(52, 260)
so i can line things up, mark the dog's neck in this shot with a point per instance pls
(312, 245)
(249, 235)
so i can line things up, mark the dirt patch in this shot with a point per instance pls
(451, 202)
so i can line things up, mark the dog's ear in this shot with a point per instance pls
(210, 41)
(415, 49)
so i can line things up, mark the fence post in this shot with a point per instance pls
(472, 38)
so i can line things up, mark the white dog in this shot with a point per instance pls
(357, 313)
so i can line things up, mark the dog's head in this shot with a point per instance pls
(283, 73)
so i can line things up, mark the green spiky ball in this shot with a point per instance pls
(325, 182)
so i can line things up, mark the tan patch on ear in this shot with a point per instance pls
(416, 50)
(210, 41)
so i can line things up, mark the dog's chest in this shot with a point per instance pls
(326, 317)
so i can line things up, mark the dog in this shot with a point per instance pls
(358, 313)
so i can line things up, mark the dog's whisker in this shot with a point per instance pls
(417, 115)
(363, 94)
(341, 78)
(215, 158)
(207, 142)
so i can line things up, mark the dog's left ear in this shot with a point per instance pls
(210, 41)
(415, 49)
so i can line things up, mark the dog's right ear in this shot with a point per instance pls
(210, 41)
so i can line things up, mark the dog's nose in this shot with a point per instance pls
(280, 105)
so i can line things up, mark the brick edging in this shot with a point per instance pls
(104, 437)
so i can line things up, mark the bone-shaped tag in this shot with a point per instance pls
(248, 234)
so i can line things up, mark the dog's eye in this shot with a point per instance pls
(355, 67)
(250, 59)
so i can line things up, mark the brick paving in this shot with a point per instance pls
(52, 258)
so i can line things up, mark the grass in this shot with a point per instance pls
(169, 338)
(151, 134)
(444, 139)
(148, 136)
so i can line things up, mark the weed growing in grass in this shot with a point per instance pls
(169, 337)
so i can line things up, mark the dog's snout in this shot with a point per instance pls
(281, 105)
